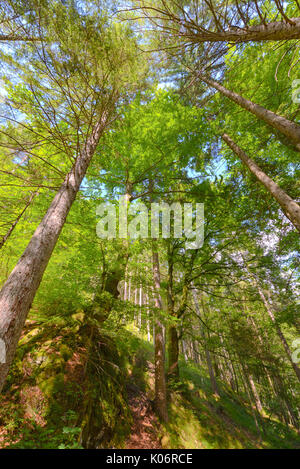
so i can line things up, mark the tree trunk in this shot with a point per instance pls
(275, 31)
(140, 309)
(129, 289)
(173, 352)
(184, 351)
(258, 403)
(136, 316)
(123, 231)
(20, 288)
(290, 208)
(160, 379)
(212, 377)
(245, 382)
(148, 319)
(290, 129)
(173, 339)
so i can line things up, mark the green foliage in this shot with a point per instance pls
(80, 349)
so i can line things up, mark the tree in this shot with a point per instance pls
(94, 82)
(160, 378)
(288, 128)
(290, 208)
(219, 21)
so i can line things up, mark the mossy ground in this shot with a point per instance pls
(55, 398)
(198, 419)
(65, 391)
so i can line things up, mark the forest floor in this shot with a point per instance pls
(144, 431)
(197, 418)
(40, 407)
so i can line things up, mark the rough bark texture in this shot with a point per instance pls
(290, 208)
(275, 31)
(290, 129)
(20, 288)
(160, 379)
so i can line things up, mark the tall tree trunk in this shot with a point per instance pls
(290, 129)
(258, 403)
(173, 339)
(184, 351)
(129, 289)
(140, 308)
(246, 384)
(173, 352)
(274, 31)
(123, 230)
(148, 319)
(290, 208)
(212, 377)
(20, 288)
(228, 366)
(195, 28)
(136, 316)
(160, 378)
(125, 287)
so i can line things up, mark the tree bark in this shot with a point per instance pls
(140, 308)
(246, 384)
(212, 377)
(160, 378)
(193, 27)
(258, 403)
(173, 339)
(173, 352)
(148, 318)
(290, 208)
(20, 288)
(184, 351)
(275, 31)
(290, 129)
(136, 316)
